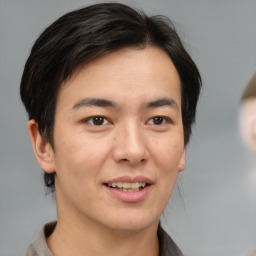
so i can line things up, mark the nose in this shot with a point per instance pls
(130, 145)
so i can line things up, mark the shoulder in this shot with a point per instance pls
(166, 244)
(39, 246)
(30, 251)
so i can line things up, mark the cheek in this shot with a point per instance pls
(167, 157)
(77, 157)
(248, 128)
(167, 160)
(167, 153)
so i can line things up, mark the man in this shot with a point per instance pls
(111, 96)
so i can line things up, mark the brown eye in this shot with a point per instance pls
(158, 120)
(97, 120)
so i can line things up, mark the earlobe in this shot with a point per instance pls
(182, 161)
(42, 149)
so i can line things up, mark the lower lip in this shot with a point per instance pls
(132, 197)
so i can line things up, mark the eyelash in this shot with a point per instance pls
(165, 119)
(91, 120)
(102, 120)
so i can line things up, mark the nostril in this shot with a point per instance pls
(133, 161)
(129, 154)
(124, 160)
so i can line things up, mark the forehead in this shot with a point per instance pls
(139, 71)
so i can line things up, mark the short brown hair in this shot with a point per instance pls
(250, 89)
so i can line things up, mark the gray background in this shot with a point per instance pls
(215, 214)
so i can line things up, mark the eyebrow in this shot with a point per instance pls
(161, 103)
(90, 102)
(99, 102)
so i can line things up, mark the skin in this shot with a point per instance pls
(248, 123)
(248, 130)
(130, 141)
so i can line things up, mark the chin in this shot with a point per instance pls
(128, 222)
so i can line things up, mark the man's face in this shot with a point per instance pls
(118, 140)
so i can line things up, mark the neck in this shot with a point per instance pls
(79, 234)
(83, 239)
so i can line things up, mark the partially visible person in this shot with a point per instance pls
(248, 125)
(248, 118)
(248, 114)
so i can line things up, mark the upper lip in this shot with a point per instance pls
(130, 179)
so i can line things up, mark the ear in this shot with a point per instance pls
(182, 161)
(42, 149)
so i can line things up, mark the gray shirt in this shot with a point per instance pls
(39, 246)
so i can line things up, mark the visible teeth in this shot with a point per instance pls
(125, 186)
(129, 190)
(135, 185)
(119, 184)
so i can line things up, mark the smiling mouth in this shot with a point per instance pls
(127, 186)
